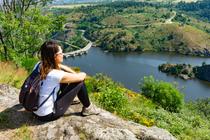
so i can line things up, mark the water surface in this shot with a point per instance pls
(130, 68)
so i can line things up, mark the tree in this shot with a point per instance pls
(24, 26)
(20, 6)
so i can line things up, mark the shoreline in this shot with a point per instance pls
(197, 53)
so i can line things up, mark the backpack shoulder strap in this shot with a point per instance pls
(47, 98)
(37, 67)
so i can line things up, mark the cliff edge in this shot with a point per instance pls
(72, 126)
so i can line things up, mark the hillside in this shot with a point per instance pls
(134, 26)
(96, 1)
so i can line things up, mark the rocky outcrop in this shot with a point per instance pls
(181, 70)
(72, 126)
(187, 71)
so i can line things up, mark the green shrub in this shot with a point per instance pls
(163, 93)
(108, 93)
(138, 118)
(201, 106)
(112, 99)
(100, 82)
(28, 63)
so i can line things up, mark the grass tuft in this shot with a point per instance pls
(10, 74)
(23, 133)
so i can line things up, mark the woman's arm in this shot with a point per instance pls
(73, 77)
(66, 68)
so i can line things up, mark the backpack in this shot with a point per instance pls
(29, 92)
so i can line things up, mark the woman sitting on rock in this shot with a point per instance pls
(62, 82)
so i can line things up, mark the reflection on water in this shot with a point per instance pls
(129, 69)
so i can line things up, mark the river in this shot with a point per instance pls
(130, 68)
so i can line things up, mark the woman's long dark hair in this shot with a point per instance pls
(48, 51)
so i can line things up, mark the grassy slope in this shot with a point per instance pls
(9, 74)
(188, 124)
(195, 37)
(70, 6)
(191, 36)
(162, 37)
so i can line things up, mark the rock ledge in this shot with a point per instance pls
(72, 126)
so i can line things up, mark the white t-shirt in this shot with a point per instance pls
(52, 80)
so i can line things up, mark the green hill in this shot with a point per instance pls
(141, 26)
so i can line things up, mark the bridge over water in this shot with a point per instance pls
(79, 52)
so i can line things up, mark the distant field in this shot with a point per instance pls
(148, 17)
(174, 1)
(70, 6)
(188, 1)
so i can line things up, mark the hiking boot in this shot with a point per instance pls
(87, 111)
